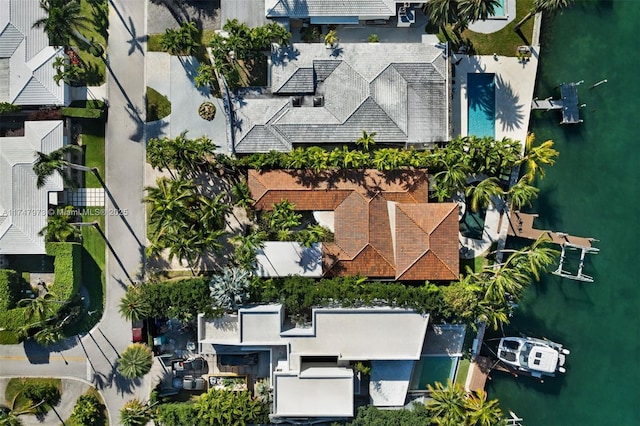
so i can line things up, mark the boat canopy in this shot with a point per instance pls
(543, 358)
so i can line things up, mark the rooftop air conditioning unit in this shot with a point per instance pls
(318, 101)
(296, 101)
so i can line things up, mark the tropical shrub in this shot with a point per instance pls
(207, 111)
(369, 415)
(158, 106)
(221, 407)
(230, 289)
(135, 361)
(175, 414)
(88, 410)
(134, 413)
(373, 38)
(8, 107)
(182, 299)
(206, 76)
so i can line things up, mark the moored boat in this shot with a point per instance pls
(537, 357)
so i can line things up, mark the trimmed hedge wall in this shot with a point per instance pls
(67, 267)
(10, 289)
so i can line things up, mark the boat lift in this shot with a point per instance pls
(579, 276)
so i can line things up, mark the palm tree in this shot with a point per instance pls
(481, 412)
(169, 203)
(48, 336)
(135, 413)
(246, 247)
(38, 309)
(547, 6)
(241, 194)
(135, 361)
(442, 12)
(453, 176)
(534, 258)
(8, 417)
(331, 38)
(366, 140)
(477, 10)
(64, 19)
(481, 194)
(183, 41)
(537, 156)
(447, 404)
(522, 193)
(59, 228)
(283, 216)
(230, 289)
(46, 164)
(133, 306)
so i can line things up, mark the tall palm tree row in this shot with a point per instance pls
(187, 157)
(63, 22)
(184, 221)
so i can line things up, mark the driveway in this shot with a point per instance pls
(163, 14)
(173, 76)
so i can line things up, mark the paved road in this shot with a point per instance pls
(93, 356)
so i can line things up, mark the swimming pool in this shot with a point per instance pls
(431, 369)
(481, 98)
(500, 11)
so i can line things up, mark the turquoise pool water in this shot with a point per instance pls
(481, 98)
(593, 190)
(431, 369)
(500, 10)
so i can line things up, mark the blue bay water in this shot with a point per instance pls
(593, 190)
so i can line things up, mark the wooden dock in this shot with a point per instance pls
(521, 225)
(478, 373)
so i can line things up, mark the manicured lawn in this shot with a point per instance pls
(475, 264)
(154, 43)
(13, 393)
(158, 105)
(98, 13)
(463, 369)
(506, 41)
(93, 146)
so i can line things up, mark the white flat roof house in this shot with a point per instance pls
(310, 366)
(23, 207)
(26, 59)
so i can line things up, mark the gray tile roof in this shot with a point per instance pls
(402, 98)
(307, 8)
(30, 77)
(18, 192)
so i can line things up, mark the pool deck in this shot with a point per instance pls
(514, 86)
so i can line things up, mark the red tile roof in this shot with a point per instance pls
(384, 227)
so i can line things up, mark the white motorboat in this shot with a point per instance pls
(537, 357)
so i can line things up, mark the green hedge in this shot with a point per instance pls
(82, 112)
(183, 299)
(67, 265)
(300, 294)
(11, 287)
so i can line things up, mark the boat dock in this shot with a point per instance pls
(478, 373)
(568, 103)
(521, 225)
